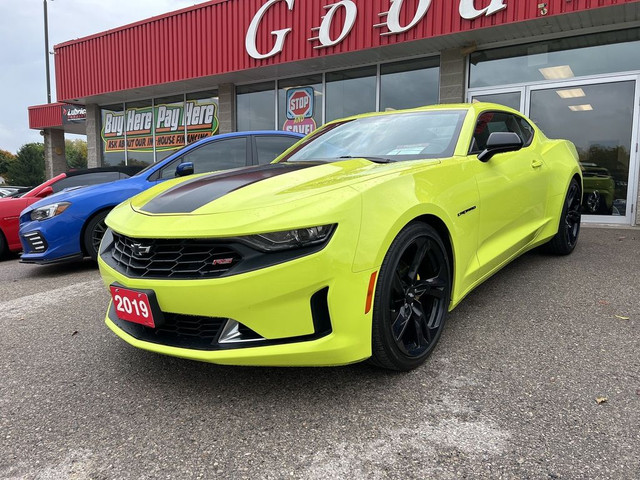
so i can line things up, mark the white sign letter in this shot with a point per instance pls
(252, 33)
(393, 17)
(349, 22)
(468, 10)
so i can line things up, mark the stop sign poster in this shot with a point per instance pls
(300, 103)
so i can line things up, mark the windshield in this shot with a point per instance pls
(385, 138)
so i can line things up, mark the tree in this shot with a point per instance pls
(76, 153)
(28, 167)
(5, 159)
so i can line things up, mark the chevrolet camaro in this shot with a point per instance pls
(354, 244)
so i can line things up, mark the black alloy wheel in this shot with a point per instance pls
(93, 233)
(565, 241)
(593, 202)
(412, 299)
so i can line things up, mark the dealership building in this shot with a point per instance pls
(141, 91)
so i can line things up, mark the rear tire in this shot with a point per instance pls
(411, 300)
(565, 240)
(93, 234)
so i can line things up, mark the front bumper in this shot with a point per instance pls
(274, 302)
(60, 236)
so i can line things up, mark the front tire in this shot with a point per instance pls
(411, 300)
(4, 247)
(93, 234)
(566, 239)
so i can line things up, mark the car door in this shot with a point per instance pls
(512, 188)
(223, 154)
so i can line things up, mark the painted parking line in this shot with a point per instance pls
(34, 303)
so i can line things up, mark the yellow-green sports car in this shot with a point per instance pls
(354, 244)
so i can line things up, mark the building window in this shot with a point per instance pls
(307, 102)
(300, 103)
(557, 60)
(350, 92)
(113, 135)
(201, 115)
(139, 128)
(256, 106)
(409, 84)
(151, 130)
(169, 125)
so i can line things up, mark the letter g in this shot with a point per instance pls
(252, 33)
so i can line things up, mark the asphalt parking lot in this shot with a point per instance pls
(510, 392)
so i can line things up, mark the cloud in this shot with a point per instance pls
(22, 72)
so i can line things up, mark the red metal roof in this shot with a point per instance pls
(45, 116)
(208, 39)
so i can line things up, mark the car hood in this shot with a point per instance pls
(260, 187)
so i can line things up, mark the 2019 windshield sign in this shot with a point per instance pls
(167, 121)
(321, 34)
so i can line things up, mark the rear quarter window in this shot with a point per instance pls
(269, 147)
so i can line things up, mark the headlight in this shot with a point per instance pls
(289, 239)
(49, 211)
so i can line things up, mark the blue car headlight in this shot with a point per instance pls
(49, 211)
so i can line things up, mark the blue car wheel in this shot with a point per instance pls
(93, 234)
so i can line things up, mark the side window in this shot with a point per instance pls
(168, 171)
(217, 155)
(527, 131)
(270, 146)
(84, 180)
(220, 155)
(490, 122)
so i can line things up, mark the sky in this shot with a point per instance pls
(22, 59)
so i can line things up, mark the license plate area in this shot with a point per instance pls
(136, 306)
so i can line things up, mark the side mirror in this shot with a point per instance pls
(500, 142)
(184, 169)
(45, 192)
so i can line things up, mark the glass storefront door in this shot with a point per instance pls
(599, 119)
(509, 98)
(600, 116)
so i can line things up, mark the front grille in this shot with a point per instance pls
(183, 331)
(36, 242)
(179, 258)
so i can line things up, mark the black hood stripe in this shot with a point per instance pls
(191, 195)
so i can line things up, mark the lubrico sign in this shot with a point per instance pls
(167, 121)
(321, 35)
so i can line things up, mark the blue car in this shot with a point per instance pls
(69, 225)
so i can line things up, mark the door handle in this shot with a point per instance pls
(536, 164)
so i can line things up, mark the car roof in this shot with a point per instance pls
(478, 107)
(129, 170)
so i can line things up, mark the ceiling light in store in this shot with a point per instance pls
(557, 73)
(581, 108)
(571, 93)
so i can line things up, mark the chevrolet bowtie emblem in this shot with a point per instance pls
(139, 250)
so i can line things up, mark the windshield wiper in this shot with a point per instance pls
(371, 159)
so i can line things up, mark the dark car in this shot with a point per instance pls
(7, 191)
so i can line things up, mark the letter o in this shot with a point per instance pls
(393, 17)
(350, 20)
